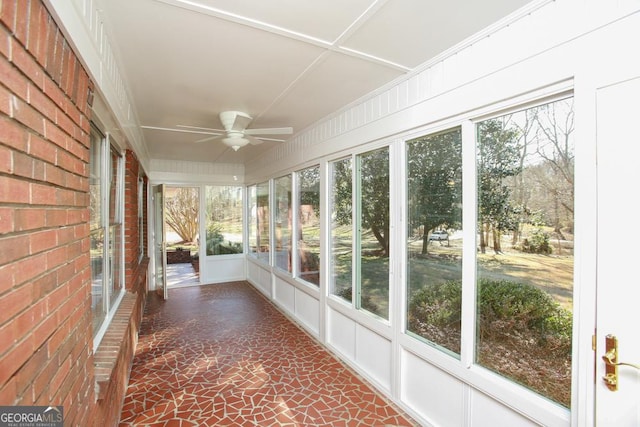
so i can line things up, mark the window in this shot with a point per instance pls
(259, 220)
(434, 242)
(308, 230)
(106, 191)
(372, 232)
(141, 210)
(341, 228)
(223, 220)
(283, 223)
(524, 289)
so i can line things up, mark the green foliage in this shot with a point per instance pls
(435, 182)
(374, 200)
(215, 242)
(505, 308)
(537, 243)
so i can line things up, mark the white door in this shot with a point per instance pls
(618, 250)
(160, 246)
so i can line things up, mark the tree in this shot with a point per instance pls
(181, 212)
(434, 183)
(374, 199)
(498, 159)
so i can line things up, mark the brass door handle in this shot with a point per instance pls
(610, 359)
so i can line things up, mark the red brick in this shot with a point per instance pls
(44, 284)
(44, 28)
(43, 240)
(54, 134)
(6, 160)
(25, 62)
(13, 79)
(7, 277)
(29, 219)
(56, 217)
(56, 257)
(13, 248)
(43, 379)
(30, 369)
(14, 190)
(8, 392)
(55, 176)
(22, 165)
(7, 218)
(28, 116)
(66, 124)
(43, 331)
(6, 100)
(52, 90)
(8, 336)
(65, 197)
(42, 149)
(8, 14)
(22, 21)
(59, 337)
(35, 27)
(14, 302)
(5, 42)
(29, 268)
(41, 102)
(43, 194)
(25, 321)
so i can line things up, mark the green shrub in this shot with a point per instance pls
(537, 243)
(504, 308)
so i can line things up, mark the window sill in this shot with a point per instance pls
(116, 347)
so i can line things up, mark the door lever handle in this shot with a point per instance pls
(610, 357)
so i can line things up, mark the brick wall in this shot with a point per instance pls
(46, 356)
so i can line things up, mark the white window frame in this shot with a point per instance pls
(109, 307)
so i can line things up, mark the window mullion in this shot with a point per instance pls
(469, 215)
(357, 223)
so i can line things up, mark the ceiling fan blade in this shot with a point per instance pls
(268, 139)
(270, 131)
(252, 140)
(211, 138)
(200, 132)
(201, 128)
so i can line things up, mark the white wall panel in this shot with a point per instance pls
(285, 295)
(222, 269)
(259, 277)
(342, 333)
(307, 310)
(484, 410)
(432, 393)
(373, 354)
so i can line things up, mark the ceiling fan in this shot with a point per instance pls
(235, 133)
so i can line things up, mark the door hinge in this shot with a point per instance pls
(593, 342)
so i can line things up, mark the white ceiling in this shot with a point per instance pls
(284, 62)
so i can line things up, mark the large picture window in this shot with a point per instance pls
(434, 238)
(341, 228)
(223, 220)
(372, 232)
(259, 220)
(308, 229)
(524, 290)
(106, 192)
(283, 223)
